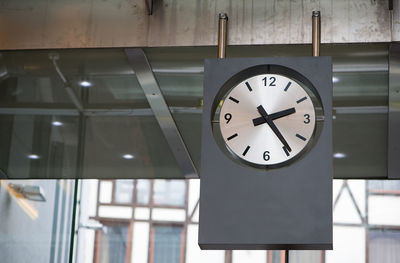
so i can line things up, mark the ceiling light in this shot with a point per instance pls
(128, 156)
(339, 155)
(33, 156)
(335, 79)
(57, 123)
(85, 83)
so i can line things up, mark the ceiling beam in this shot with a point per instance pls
(138, 61)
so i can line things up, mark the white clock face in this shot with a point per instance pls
(267, 119)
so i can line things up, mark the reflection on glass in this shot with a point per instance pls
(123, 191)
(142, 191)
(167, 244)
(113, 244)
(169, 192)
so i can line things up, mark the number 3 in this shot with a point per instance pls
(307, 116)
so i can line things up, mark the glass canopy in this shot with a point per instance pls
(44, 135)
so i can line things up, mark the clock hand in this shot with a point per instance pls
(271, 124)
(274, 116)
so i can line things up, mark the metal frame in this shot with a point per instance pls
(151, 89)
(394, 112)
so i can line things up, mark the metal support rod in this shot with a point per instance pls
(286, 256)
(141, 66)
(222, 29)
(316, 33)
(54, 57)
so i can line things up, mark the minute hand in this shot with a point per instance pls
(273, 127)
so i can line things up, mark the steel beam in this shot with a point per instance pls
(149, 84)
(394, 112)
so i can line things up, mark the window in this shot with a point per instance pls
(123, 191)
(384, 186)
(384, 246)
(169, 192)
(113, 245)
(167, 244)
(142, 191)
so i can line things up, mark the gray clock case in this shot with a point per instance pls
(284, 208)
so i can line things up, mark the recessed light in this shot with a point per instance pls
(335, 79)
(33, 156)
(128, 156)
(85, 83)
(339, 155)
(57, 123)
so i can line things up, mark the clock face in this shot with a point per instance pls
(267, 120)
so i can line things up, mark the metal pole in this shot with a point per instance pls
(316, 32)
(222, 26)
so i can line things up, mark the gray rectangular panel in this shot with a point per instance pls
(284, 208)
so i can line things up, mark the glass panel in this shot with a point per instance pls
(142, 191)
(41, 146)
(113, 244)
(167, 244)
(127, 147)
(118, 121)
(169, 192)
(384, 246)
(123, 191)
(36, 231)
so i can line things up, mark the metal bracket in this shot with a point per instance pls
(394, 112)
(75, 100)
(149, 84)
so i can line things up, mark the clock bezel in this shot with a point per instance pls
(232, 82)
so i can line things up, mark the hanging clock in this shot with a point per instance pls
(267, 116)
(266, 154)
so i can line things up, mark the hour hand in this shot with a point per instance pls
(272, 125)
(274, 116)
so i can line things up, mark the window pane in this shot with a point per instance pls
(113, 244)
(167, 244)
(384, 185)
(142, 191)
(105, 194)
(384, 246)
(169, 192)
(123, 191)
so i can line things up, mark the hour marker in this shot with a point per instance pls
(287, 86)
(300, 137)
(235, 100)
(231, 137)
(248, 86)
(286, 151)
(302, 99)
(245, 151)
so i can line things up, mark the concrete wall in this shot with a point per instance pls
(31, 24)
